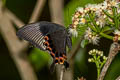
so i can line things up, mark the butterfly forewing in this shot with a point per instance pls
(33, 35)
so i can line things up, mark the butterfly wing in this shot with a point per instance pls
(32, 33)
(57, 38)
(35, 33)
(69, 41)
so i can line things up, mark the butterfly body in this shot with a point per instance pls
(49, 37)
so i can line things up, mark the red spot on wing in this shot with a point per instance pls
(46, 38)
(61, 60)
(46, 43)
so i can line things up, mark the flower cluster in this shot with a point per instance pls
(96, 53)
(91, 36)
(96, 17)
(98, 58)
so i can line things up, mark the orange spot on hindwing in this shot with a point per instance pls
(61, 60)
(46, 38)
(64, 56)
(49, 49)
(46, 43)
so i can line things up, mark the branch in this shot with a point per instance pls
(13, 18)
(37, 10)
(74, 51)
(70, 59)
(60, 72)
(14, 45)
(56, 10)
(115, 47)
(24, 68)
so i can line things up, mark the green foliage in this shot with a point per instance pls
(98, 1)
(81, 66)
(84, 43)
(39, 58)
(69, 10)
(114, 69)
(4, 2)
(113, 72)
(98, 59)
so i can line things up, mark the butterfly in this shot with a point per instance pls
(50, 37)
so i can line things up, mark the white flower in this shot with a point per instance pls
(89, 60)
(80, 9)
(100, 53)
(73, 32)
(104, 57)
(88, 7)
(92, 38)
(104, 5)
(110, 11)
(94, 50)
(101, 20)
(95, 39)
(82, 20)
(118, 11)
(90, 52)
(117, 32)
(114, 3)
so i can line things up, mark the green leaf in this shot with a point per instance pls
(106, 28)
(4, 2)
(98, 1)
(109, 15)
(84, 43)
(81, 30)
(38, 58)
(114, 69)
(106, 36)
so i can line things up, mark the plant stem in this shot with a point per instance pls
(97, 65)
(106, 36)
(115, 47)
(98, 69)
(93, 21)
(98, 72)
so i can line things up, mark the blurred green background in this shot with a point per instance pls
(39, 59)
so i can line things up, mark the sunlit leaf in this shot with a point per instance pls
(84, 43)
(39, 58)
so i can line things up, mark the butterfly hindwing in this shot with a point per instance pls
(59, 40)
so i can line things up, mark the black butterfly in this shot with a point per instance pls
(49, 37)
